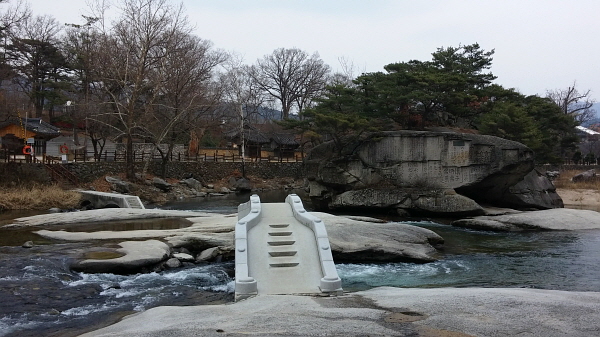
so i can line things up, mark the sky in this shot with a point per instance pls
(539, 45)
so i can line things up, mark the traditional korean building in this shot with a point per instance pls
(15, 134)
(257, 141)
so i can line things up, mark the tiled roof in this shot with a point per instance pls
(250, 135)
(38, 126)
(285, 139)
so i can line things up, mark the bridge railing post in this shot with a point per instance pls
(330, 282)
(249, 214)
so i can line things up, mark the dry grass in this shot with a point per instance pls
(564, 181)
(38, 198)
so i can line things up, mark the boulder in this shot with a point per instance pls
(584, 176)
(161, 184)
(243, 185)
(215, 253)
(208, 254)
(552, 175)
(118, 185)
(551, 219)
(360, 241)
(137, 255)
(416, 171)
(173, 263)
(192, 183)
(184, 257)
(534, 191)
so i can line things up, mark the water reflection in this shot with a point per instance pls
(129, 225)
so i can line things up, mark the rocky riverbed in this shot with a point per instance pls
(210, 236)
(381, 311)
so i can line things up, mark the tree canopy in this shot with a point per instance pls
(453, 89)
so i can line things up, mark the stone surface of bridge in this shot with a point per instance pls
(282, 249)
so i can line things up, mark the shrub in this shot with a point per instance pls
(38, 198)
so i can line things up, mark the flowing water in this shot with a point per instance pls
(42, 297)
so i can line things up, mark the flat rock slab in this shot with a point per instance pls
(136, 255)
(351, 238)
(100, 215)
(551, 219)
(457, 312)
(356, 241)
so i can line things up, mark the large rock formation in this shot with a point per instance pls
(422, 172)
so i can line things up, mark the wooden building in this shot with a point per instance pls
(15, 133)
(255, 140)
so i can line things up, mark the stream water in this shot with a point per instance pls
(42, 297)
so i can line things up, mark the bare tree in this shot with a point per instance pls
(240, 90)
(14, 14)
(290, 76)
(81, 45)
(186, 93)
(573, 103)
(317, 75)
(135, 52)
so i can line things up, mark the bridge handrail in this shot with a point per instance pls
(330, 282)
(249, 214)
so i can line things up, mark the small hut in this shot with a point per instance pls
(15, 134)
(253, 140)
(284, 145)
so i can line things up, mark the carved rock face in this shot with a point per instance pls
(417, 171)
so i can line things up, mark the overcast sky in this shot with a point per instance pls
(539, 44)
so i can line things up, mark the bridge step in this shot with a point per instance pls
(281, 243)
(282, 225)
(283, 262)
(280, 233)
(283, 253)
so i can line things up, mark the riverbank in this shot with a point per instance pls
(38, 197)
(580, 198)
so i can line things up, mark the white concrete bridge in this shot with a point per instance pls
(280, 248)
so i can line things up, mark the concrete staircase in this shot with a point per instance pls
(282, 246)
(134, 202)
(282, 249)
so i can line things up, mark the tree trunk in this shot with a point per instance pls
(129, 159)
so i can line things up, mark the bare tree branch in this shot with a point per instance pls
(573, 103)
